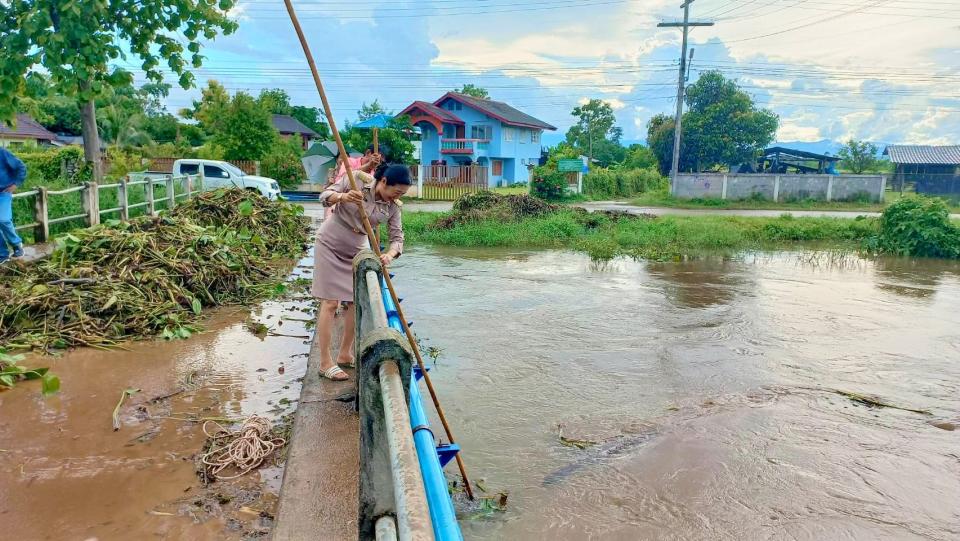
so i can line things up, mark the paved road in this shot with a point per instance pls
(664, 211)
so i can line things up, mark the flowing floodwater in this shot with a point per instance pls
(709, 387)
(65, 474)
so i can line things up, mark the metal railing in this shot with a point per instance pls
(403, 492)
(90, 195)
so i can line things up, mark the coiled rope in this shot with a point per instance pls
(244, 449)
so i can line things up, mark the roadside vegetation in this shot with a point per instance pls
(916, 226)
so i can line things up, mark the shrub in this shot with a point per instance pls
(548, 185)
(210, 151)
(122, 162)
(47, 166)
(283, 164)
(919, 227)
(623, 182)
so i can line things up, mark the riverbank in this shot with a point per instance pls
(644, 237)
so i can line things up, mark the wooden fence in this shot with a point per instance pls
(449, 182)
(165, 165)
(172, 189)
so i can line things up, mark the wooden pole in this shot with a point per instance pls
(373, 241)
(376, 151)
(123, 198)
(42, 231)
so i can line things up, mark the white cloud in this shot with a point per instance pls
(789, 131)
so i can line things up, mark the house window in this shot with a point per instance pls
(534, 136)
(481, 132)
(457, 106)
(508, 134)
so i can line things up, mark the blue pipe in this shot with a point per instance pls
(442, 514)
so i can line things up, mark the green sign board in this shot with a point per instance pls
(570, 166)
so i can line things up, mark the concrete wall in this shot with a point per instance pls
(779, 187)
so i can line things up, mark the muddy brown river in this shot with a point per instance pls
(713, 399)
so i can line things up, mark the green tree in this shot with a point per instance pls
(210, 110)
(151, 96)
(370, 111)
(120, 128)
(283, 163)
(639, 157)
(471, 89)
(394, 140)
(77, 42)
(275, 100)
(162, 128)
(596, 134)
(60, 114)
(312, 118)
(859, 156)
(660, 141)
(723, 126)
(246, 130)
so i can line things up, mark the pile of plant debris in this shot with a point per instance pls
(279, 226)
(152, 275)
(486, 206)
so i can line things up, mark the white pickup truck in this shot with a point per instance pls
(220, 174)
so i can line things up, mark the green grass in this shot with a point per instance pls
(666, 237)
(512, 190)
(663, 199)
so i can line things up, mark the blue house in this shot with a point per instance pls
(459, 130)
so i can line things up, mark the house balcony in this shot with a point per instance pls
(464, 147)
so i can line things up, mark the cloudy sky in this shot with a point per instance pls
(886, 71)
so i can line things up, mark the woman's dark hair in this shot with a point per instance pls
(380, 170)
(396, 174)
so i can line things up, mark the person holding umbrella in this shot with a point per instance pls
(12, 174)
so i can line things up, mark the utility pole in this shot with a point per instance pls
(681, 87)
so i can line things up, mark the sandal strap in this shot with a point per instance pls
(333, 371)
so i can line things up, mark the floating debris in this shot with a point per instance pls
(11, 372)
(875, 402)
(116, 410)
(570, 442)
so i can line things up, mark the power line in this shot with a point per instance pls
(525, 7)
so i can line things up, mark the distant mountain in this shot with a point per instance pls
(824, 146)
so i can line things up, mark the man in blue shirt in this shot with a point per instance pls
(12, 174)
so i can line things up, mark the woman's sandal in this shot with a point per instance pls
(333, 374)
(352, 364)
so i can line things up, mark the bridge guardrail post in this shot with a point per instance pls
(390, 480)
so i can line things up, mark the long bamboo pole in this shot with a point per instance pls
(373, 241)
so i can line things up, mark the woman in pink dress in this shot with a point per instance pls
(366, 163)
(341, 237)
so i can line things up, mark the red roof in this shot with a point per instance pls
(432, 110)
(27, 128)
(498, 110)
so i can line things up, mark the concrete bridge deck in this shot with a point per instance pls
(319, 497)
